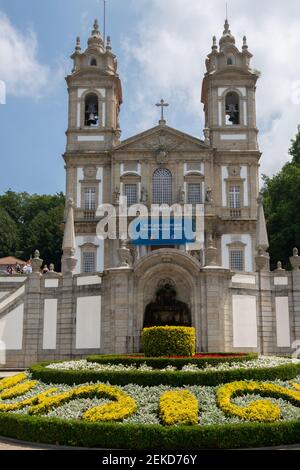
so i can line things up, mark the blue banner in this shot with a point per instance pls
(163, 231)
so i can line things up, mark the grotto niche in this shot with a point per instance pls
(166, 309)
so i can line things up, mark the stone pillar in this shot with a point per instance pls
(118, 316)
(66, 330)
(266, 324)
(217, 324)
(33, 325)
(295, 275)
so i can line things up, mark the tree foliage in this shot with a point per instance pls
(30, 222)
(282, 207)
(8, 234)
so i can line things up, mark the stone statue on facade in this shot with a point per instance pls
(209, 196)
(295, 259)
(116, 195)
(181, 195)
(144, 196)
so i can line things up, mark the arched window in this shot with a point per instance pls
(91, 110)
(162, 186)
(232, 109)
(230, 59)
(93, 62)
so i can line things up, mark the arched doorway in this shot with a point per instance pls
(172, 266)
(166, 309)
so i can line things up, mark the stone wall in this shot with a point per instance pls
(54, 317)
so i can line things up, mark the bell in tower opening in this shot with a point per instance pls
(232, 109)
(91, 110)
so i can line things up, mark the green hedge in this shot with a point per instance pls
(157, 377)
(162, 362)
(169, 341)
(150, 437)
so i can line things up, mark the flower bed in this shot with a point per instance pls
(199, 359)
(77, 372)
(238, 414)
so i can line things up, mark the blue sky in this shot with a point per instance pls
(161, 48)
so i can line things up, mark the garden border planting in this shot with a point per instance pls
(151, 437)
(161, 362)
(157, 377)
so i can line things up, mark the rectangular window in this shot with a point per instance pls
(236, 260)
(234, 197)
(130, 191)
(89, 265)
(194, 193)
(90, 199)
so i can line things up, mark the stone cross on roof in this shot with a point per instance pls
(162, 104)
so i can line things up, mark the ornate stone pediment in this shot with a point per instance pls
(162, 140)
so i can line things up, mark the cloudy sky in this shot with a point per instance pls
(161, 47)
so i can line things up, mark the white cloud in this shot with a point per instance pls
(166, 58)
(19, 65)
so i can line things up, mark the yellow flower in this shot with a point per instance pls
(121, 407)
(11, 381)
(18, 390)
(178, 407)
(259, 410)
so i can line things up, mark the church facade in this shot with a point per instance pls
(164, 165)
(110, 289)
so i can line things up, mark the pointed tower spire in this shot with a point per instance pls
(108, 43)
(226, 27)
(69, 242)
(227, 37)
(214, 43)
(95, 40)
(95, 30)
(78, 45)
(245, 45)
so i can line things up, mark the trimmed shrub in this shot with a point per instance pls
(169, 341)
(179, 362)
(150, 437)
(157, 377)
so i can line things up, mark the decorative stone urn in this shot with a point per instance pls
(125, 255)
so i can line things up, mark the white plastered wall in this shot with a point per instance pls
(244, 238)
(244, 321)
(88, 322)
(82, 240)
(11, 329)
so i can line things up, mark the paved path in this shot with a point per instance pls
(4, 374)
(13, 444)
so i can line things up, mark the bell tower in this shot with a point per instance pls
(95, 96)
(228, 95)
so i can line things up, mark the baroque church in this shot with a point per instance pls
(109, 289)
(162, 164)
